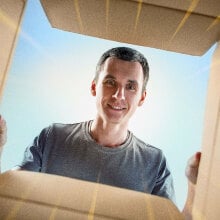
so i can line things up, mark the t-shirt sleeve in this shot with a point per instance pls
(164, 183)
(32, 159)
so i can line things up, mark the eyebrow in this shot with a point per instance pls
(112, 77)
(133, 82)
(109, 77)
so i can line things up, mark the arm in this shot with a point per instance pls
(191, 174)
(3, 136)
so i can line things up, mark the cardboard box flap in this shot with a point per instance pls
(24, 193)
(186, 27)
(210, 8)
(11, 14)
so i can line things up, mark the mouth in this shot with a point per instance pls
(116, 107)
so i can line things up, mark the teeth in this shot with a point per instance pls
(116, 107)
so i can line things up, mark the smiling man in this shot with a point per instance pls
(104, 150)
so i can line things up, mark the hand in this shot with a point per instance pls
(3, 133)
(192, 168)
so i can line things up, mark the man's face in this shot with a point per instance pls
(118, 90)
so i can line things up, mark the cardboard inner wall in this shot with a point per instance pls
(189, 27)
(31, 195)
(10, 18)
(206, 204)
(203, 7)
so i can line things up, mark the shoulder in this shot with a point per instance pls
(147, 150)
(65, 127)
(145, 146)
(61, 129)
(68, 127)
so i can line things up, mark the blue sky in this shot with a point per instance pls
(49, 81)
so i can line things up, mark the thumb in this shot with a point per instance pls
(192, 167)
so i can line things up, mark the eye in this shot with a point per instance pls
(131, 86)
(109, 82)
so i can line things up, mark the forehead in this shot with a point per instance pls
(122, 69)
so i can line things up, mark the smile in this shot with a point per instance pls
(116, 107)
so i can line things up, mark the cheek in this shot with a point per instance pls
(106, 92)
(131, 97)
(100, 97)
(134, 100)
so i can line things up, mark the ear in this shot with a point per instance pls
(93, 88)
(143, 96)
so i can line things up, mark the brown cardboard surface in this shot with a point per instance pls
(190, 27)
(207, 8)
(206, 205)
(10, 18)
(28, 195)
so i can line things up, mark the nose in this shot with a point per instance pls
(119, 93)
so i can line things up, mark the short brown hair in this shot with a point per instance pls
(127, 54)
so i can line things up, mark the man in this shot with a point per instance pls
(104, 150)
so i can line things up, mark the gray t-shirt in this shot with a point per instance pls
(69, 150)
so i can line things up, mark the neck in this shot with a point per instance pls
(108, 135)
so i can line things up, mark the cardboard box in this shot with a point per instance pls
(190, 27)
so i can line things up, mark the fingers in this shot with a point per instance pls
(3, 131)
(3, 126)
(194, 160)
(192, 167)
